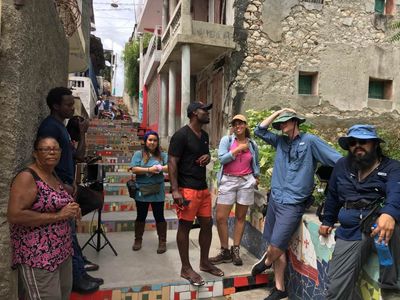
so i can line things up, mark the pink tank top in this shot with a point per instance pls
(241, 165)
(45, 246)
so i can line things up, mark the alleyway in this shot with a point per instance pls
(144, 274)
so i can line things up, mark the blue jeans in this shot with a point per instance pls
(78, 265)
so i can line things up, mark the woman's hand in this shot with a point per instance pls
(153, 170)
(69, 211)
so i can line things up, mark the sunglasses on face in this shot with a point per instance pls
(352, 142)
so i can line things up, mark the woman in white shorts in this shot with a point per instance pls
(238, 177)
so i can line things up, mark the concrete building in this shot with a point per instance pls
(306, 54)
(37, 53)
(185, 61)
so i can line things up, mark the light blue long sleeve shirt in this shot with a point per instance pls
(225, 155)
(293, 174)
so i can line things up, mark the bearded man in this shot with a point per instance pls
(364, 189)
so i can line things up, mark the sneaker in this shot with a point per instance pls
(260, 266)
(237, 261)
(224, 256)
(277, 294)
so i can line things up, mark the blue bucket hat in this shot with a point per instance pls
(361, 132)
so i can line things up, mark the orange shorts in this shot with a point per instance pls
(199, 204)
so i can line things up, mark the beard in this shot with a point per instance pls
(363, 162)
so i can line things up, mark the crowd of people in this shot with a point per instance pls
(363, 197)
(106, 108)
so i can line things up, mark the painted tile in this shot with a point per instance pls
(165, 293)
(218, 289)
(185, 296)
(203, 295)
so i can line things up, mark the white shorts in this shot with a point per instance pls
(236, 189)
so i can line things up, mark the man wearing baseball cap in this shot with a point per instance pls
(364, 190)
(297, 156)
(188, 156)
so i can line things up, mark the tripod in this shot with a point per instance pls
(98, 233)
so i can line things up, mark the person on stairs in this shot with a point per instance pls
(237, 179)
(149, 166)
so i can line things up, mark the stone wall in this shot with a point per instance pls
(343, 41)
(34, 58)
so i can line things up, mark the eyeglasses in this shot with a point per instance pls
(352, 142)
(49, 150)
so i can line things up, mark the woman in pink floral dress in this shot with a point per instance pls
(39, 211)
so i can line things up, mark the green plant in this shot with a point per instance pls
(395, 25)
(131, 59)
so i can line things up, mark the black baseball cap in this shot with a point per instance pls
(196, 105)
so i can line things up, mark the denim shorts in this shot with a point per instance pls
(281, 222)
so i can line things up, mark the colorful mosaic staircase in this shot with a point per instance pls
(116, 141)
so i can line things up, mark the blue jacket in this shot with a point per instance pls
(344, 186)
(295, 163)
(225, 156)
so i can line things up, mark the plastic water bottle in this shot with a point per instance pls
(384, 255)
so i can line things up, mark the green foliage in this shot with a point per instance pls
(130, 56)
(391, 146)
(396, 27)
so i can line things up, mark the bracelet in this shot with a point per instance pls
(148, 170)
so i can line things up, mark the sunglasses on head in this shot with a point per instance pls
(352, 142)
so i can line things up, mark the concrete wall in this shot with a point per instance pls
(34, 58)
(344, 41)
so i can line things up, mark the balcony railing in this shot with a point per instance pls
(154, 44)
(173, 25)
(83, 88)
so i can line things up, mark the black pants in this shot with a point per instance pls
(143, 208)
(89, 199)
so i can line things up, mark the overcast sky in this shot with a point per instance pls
(114, 25)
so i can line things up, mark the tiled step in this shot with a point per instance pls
(125, 203)
(145, 275)
(123, 221)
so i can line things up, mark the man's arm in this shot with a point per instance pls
(332, 205)
(81, 148)
(324, 153)
(272, 117)
(390, 213)
(173, 178)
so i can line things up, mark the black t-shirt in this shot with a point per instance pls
(186, 145)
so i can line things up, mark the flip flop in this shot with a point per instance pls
(194, 282)
(214, 271)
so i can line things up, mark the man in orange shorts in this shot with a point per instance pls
(188, 156)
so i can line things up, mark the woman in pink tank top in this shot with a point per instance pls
(237, 179)
(39, 213)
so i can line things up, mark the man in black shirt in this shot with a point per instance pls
(188, 156)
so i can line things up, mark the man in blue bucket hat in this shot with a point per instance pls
(292, 183)
(364, 189)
